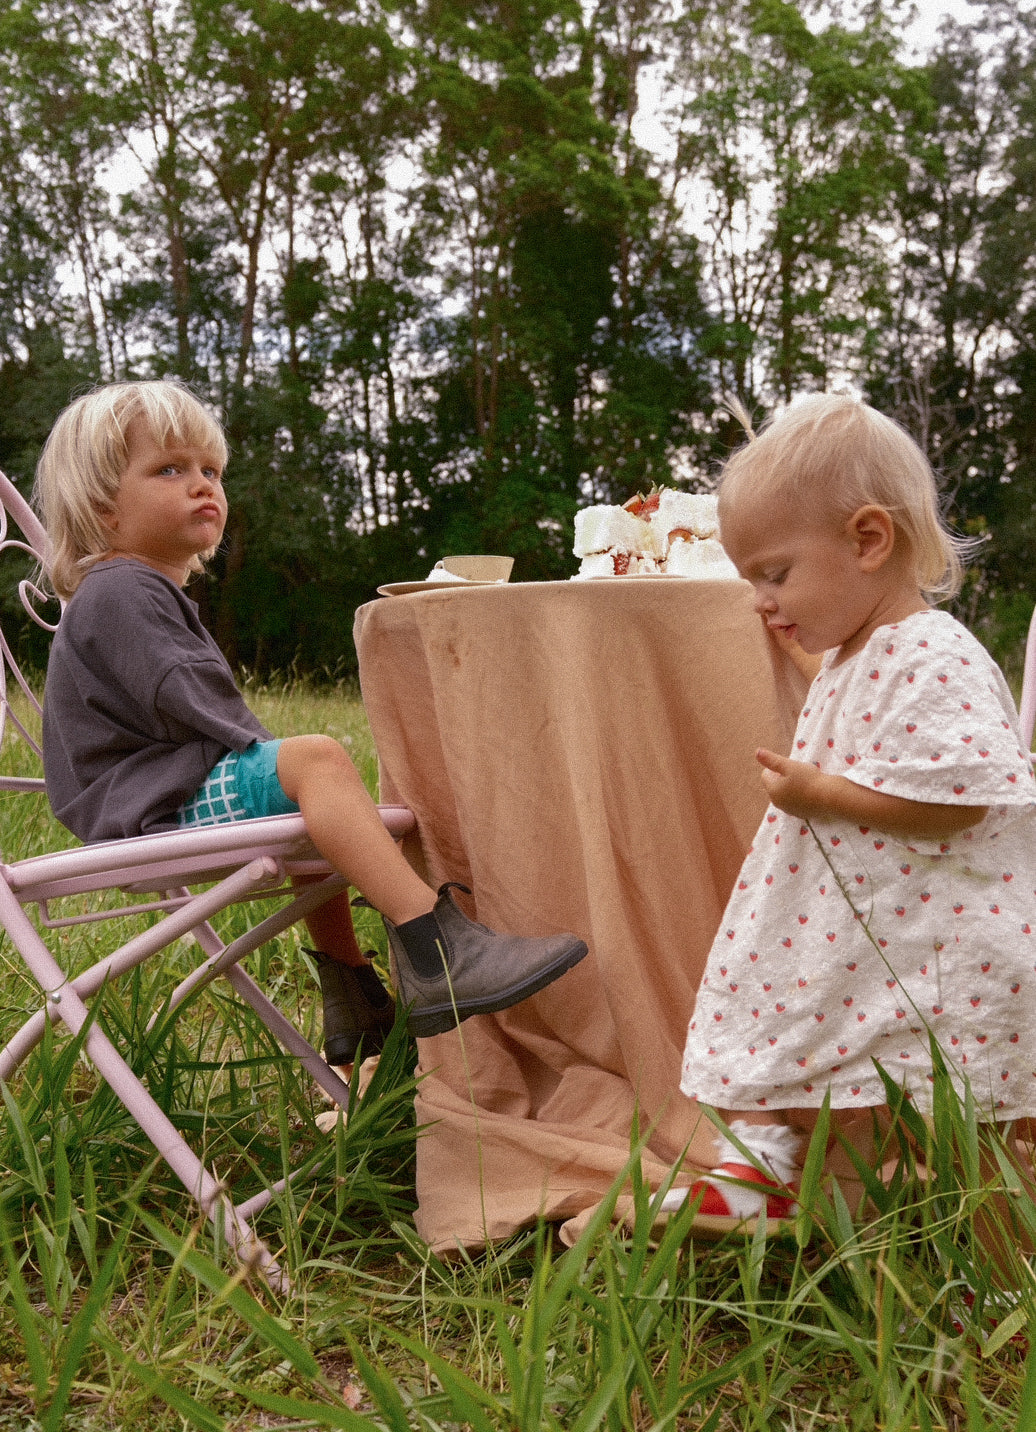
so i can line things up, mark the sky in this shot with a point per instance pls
(924, 31)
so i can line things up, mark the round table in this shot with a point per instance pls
(581, 754)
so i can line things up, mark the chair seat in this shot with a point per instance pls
(177, 858)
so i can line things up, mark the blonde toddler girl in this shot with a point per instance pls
(890, 893)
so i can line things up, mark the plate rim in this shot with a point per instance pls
(405, 589)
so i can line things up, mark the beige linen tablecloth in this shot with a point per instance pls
(582, 755)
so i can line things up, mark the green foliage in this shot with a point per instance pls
(426, 263)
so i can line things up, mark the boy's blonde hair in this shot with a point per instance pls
(834, 454)
(83, 459)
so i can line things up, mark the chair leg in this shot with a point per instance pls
(222, 956)
(64, 1003)
(289, 1036)
(134, 952)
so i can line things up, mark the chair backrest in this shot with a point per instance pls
(1027, 705)
(32, 544)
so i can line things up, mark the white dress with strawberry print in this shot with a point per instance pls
(840, 945)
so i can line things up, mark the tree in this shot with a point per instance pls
(568, 335)
(789, 130)
(962, 240)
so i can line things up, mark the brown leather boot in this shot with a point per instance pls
(447, 967)
(358, 1009)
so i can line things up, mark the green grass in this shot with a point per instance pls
(118, 1310)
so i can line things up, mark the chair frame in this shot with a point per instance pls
(1027, 704)
(234, 862)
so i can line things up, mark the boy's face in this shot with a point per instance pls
(170, 505)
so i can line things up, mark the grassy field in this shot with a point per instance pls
(118, 1312)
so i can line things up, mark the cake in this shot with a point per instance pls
(667, 533)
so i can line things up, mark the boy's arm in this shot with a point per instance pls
(802, 790)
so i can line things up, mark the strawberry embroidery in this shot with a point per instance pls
(905, 900)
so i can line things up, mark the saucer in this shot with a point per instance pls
(403, 589)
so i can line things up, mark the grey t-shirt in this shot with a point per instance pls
(139, 705)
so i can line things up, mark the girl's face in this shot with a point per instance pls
(821, 583)
(170, 505)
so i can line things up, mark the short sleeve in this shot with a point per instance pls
(201, 699)
(930, 718)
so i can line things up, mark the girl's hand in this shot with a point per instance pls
(802, 790)
(794, 786)
(807, 662)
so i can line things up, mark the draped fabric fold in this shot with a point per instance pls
(582, 756)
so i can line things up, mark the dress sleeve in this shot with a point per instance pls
(932, 719)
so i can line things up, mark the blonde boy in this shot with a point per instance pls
(145, 729)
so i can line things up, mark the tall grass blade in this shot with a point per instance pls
(237, 1297)
(25, 1316)
(1026, 1421)
(80, 1331)
(193, 1412)
(467, 1400)
(603, 1401)
(303, 1414)
(809, 1198)
(381, 1389)
(37, 1179)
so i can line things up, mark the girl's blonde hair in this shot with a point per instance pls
(83, 459)
(832, 454)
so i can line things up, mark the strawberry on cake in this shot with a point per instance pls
(668, 532)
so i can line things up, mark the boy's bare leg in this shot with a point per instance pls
(331, 929)
(446, 966)
(351, 1010)
(343, 822)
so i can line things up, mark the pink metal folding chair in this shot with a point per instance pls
(184, 878)
(1027, 705)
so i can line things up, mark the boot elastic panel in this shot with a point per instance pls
(423, 941)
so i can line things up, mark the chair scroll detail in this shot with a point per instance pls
(183, 879)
